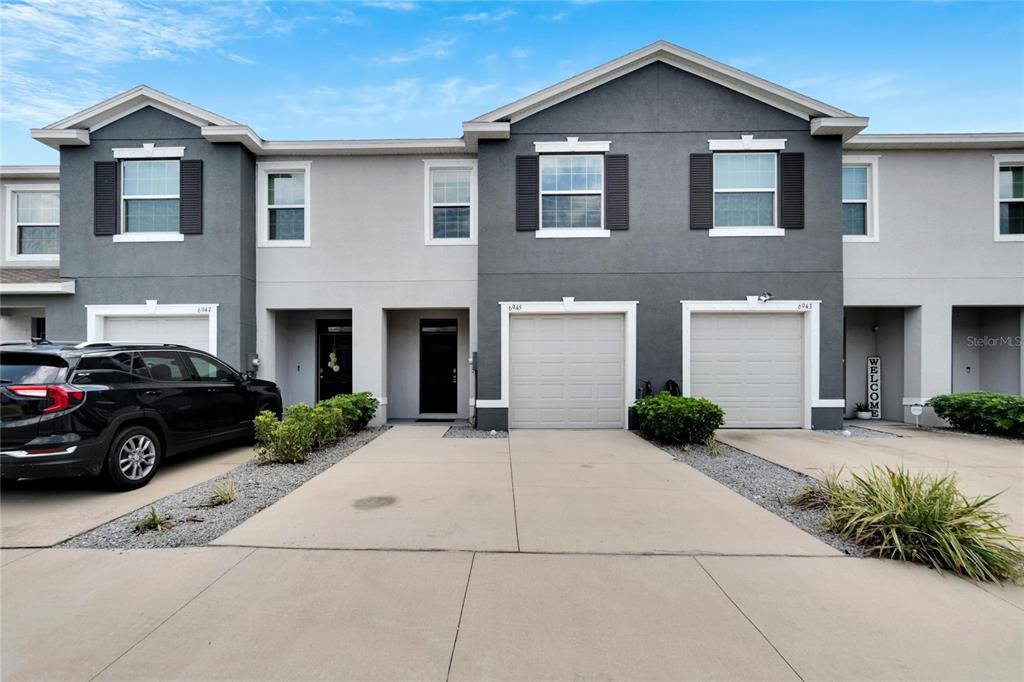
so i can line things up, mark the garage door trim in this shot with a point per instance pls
(811, 331)
(97, 314)
(569, 306)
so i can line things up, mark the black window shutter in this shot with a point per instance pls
(791, 170)
(527, 193)
(616, 190)
(104, 198)
(702, 194)
(191, 197)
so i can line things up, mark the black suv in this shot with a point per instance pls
(117, 409)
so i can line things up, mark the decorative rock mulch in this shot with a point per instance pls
(195, 522)
(470, 432)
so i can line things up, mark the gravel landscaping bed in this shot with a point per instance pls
(852, 431)
(196, 523)
(470, 432)
(765, 483)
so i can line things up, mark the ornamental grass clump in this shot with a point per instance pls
(919, 517)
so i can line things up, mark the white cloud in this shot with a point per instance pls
(432, 48)
(235, 57)
(487, 17)
(36, 102)
(456, 93)
(557, 16)
(519, 53)
(394, 6)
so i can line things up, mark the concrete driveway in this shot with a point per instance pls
(47, 512)
(984, 465)
(550, 555)
(537, 491)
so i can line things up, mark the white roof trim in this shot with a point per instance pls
(260, 147)
(130, 101)
(21, 172)
(62, 287)
(148, 150)
(936, 141)
(847, 126)
(664, 51)
(745, 143)
(572, 144)
(57, 138)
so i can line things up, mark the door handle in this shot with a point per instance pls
(213, 390)
(152, 391)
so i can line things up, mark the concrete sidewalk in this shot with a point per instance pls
(233, 613)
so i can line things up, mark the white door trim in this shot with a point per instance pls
(811, 328)
(95, 315)
(570, 306)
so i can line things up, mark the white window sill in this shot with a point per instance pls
(453, 241)
(572, 233)
(149, 237)
(860, 238)
(746, 232)
(283, 243)
(1010, 237)
(35, 258)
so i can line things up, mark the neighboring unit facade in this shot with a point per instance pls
(663, 218)
(934, 272)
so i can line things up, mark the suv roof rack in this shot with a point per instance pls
(124, 344)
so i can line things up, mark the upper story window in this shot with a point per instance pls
(283, 196)
(451, 201)
(150, 195)
(745, 191)
(1010, 208)
(860, 199)
(36, 228)
(572, 191)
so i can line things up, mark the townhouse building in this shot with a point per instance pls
(660, 218)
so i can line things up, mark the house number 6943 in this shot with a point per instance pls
(803, 306)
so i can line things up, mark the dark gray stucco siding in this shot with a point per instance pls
(658, 115)
(217, 266)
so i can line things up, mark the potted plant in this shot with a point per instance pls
(862, 411)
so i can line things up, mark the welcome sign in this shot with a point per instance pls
(875, 386)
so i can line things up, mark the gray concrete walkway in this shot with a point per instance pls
(630, 566)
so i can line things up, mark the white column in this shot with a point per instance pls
(368, 351)
(266, 344)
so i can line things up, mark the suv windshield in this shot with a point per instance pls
(31, 368)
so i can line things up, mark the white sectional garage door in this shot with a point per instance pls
(566, 371)
(751, 365)
(193, 331)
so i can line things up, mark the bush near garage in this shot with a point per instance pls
(918, 517)
(678, 420)
(303, 428)
(982, 412)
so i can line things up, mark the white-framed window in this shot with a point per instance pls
(151, 196)
(283, 198)
(1009, 206)
(450, 216)
(860, 199)
(745, 194)
(571, 192)
(34, 222)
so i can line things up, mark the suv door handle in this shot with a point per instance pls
(213, 390)
(152, 391)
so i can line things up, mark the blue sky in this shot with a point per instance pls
(315, 70)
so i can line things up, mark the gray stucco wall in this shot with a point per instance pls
(217, 266)
(658, 115)
(887, 342)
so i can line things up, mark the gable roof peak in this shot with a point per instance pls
(130, 101)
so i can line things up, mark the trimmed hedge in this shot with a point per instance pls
(678, 420)
(304, 428)
(982, 412)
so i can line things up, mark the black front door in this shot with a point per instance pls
(334, 358)
(439, 387)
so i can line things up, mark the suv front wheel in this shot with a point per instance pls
(134, 456)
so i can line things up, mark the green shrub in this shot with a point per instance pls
(678, 420)
(326, 421)
(284, 441)
(357, 408)
(982, 412)
(918, 517)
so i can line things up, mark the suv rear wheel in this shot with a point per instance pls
(134, 456)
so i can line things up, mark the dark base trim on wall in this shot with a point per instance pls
(827, 418)
(488, 418)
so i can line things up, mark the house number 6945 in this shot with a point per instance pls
(515, 306)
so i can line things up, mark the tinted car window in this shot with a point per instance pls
(209, 370)
(165, 366)
(139, 368)
(104, 369)
(31, 368)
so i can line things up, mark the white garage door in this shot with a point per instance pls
(192, 331)
(751, 365)
(566, 371)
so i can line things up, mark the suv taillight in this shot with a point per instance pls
(59, 396)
